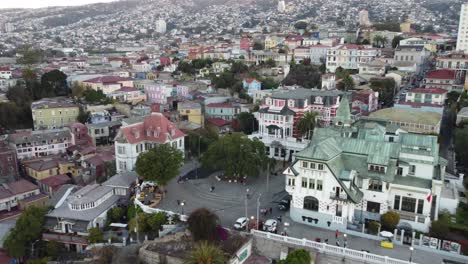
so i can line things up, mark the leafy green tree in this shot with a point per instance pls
(270, 63)
(385, 87)
(440, 228)
(29, 74)
(28, 229)
(258, 46)
(390, 26)
(55, 83)
(54, 249)
(29, 55)
(389, 220)
(114, 215)
(160, 164)
(93, 96)
(83, 115)
(239, 67)
(143, 223)
(365, 42)
(246, 123)
(348, 82)
(396, 41)
(306, 124)
(206, 253)
(301, 25)
(95, 235)
(156, 221)
(298, 256)
(237, 155)
(269, 83)
(77, 90)
(307, 76)
(374, 227)
(198, 141)
(202, 224)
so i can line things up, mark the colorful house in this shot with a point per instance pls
(251, 85)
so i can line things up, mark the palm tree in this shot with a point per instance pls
(377, 40)
(307, 124)
(202, 223)
(384, 41)
(206, 253)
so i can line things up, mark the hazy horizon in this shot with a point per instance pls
(47, 3)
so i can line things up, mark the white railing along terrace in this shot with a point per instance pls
(330, 249)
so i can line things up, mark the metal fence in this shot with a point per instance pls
(329, 249)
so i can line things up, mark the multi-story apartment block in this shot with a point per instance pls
(432, 96)
(142, 134)
(128, 95)
(453, 61)
(354, 174)
(158, 93)
(52, 113)
(30, 144)
(5, 73)
(411, 58)
(349, 56)
(103, 133)
(8, 162)
(279, 116)
(462, 38)
(444, 78)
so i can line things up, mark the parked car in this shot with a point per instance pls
(241, 223)
(270, 225)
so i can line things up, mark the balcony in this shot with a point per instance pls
(340, 196)
(65, 238)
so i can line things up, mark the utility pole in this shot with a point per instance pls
(268, 176)
(246, 213)
(258, 209)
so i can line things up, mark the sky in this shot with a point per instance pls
(45, 3)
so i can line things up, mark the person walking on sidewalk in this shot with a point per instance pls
(336, 234)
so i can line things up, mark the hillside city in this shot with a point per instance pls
(240, 132)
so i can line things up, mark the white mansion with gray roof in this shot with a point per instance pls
(352, 174)
(78, 209)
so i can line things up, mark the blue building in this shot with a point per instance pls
(251, 85)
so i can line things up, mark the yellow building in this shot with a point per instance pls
(41, 169)
(191, 111)
(271, 42)
(405, 27)
(52, 113)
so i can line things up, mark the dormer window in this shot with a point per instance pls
(376, 168)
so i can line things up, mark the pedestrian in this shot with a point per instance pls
(326, 241)
(279, 218)
(212, 188)
(271, 210)
(337, 243)
(336, 234)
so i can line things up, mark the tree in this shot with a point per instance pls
(95, 235)
(390, 26)
(365, 42)
(258, 46)
(28, 229)
(348, 82)
(114, 215)
(77, 90)
(54, 83)
(390, 220)
(93, 96)
(237, 155)
(156, 221)
(29, 55)
(206, 253)
(54, 249)
(440, 228)
(396, 41)
(385, 87)
(270, 63)
(374, 227)
(301, 25)
(83, 115)
(306, 124)
(203, 223)
(307, 76)
(29, 74)
(269, 83)
(377, 40)
(143, 223)
(160, 164)
(298, 256)
(246, 122)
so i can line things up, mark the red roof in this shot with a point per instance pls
(442, 74)
(5, 68)
(21, 186)
(127, 89)
(219, 122)
(294, 38)
(428, 90)
(249, 80)
(107, 79)
(224, 105)
(145, 131)
(55, 181)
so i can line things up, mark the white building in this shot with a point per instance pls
(141, 134)
(160, 26)
(462, 38)
(364, 18)
(351, 175)
(348, 56)
(5, 73)
(281, 6)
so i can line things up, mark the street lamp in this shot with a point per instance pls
(345, 244)
(411, 254)
(182, 203)
(258, 208)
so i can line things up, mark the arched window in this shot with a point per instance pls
(311, 203)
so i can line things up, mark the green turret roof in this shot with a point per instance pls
(343, 114)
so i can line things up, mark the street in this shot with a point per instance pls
(228, 202)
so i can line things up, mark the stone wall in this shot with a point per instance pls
(151, 257)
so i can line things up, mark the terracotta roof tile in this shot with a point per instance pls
(154, 128)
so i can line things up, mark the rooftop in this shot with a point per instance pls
(428, 90)
(58, 102)
(408, 116)
(442, 74)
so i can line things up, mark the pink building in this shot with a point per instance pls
(158, 93)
